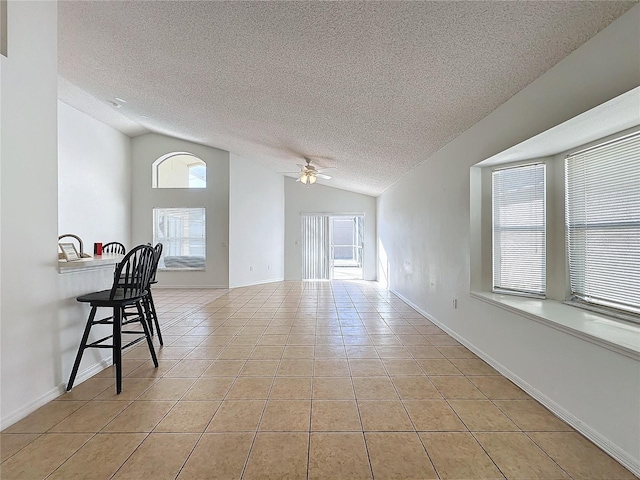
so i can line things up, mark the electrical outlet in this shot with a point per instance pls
(251, 269)
(455, 303)
(268, 267)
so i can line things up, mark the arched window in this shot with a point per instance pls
(179, 170)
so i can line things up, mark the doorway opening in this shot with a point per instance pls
(332, 246)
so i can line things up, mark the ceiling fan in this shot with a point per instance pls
(310, 173)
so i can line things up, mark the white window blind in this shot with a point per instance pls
(603, 224)
(182, 234)
(316, 251)
(519, 237)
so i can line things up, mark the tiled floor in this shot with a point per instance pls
(299, 380)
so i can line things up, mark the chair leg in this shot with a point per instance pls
(147, 334)
(152, 309)
(117, 346)
(81, 349)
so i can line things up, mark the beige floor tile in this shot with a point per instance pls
(387, 416)
(218, 456)
(338, 456)
(415, 388)
(92, 417)
(335, 416)
(402, 367)
(329, 340)
(295, 367)
(291, 388)
(329, 352)
(424, 352)
(189, 368)
(278, 456)
(249, 339)
(286, 416)
(89, 389)
(456, 387)
(204, 353)
(236, 352)
(149, 370)
(333, 388)
(100, 457)
(267, 353)
(216, 340)
(433, 416)
(132, 388)
(260, 368)
(160, 456)
(482, 415)
(170, 353)
(367, 367)
(305, 352)
(45, 417)
(498, 388)
(128, 365)
(140, 416)
(12, 443)
(361, 351)
(331, 368)
(393, 352)
(273, 340)
(237, 416)
(374, 388)
(530, 416)
(385, 340)
(398, 455)
(213, 388)
(456, 352)
(438, 366)
(42, 456)
(188, 417)
(518, 457)
(579, 457)
(250, 388)
(224, 368)
(301, 339)
(168, 389)
(473, 366)
(458, 456)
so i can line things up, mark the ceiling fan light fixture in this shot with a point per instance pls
(312, 179)
(303, 178)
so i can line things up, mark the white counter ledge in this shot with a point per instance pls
(96, 262)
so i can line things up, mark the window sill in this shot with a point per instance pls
(617, 335)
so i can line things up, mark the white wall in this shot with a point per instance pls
(256, 223)
(423, 227)
(317, 198)
(30, 355)
(146, 149)
(94, 179)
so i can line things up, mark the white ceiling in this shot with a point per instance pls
(372, 88)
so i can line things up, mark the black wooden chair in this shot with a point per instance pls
(147, 301)
(130, 286)
(114, 247)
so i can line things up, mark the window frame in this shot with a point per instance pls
(165, 250)
(164, 158)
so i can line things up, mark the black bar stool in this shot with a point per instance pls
(130, 286)
(114, 247)
(147, 301)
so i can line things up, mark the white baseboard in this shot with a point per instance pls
(261, 282)
(52, 394)
(631, 463)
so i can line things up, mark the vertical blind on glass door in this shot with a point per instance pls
(316, 250)
(519, 237)
(603, 223)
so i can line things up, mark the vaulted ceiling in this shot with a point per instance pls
(372, 88)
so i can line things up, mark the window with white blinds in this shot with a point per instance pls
(519, 236)
(603, 224)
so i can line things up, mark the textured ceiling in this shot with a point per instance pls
(371, 88)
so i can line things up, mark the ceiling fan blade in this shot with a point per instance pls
(322, 175)
(298, 179)
(325, 169)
